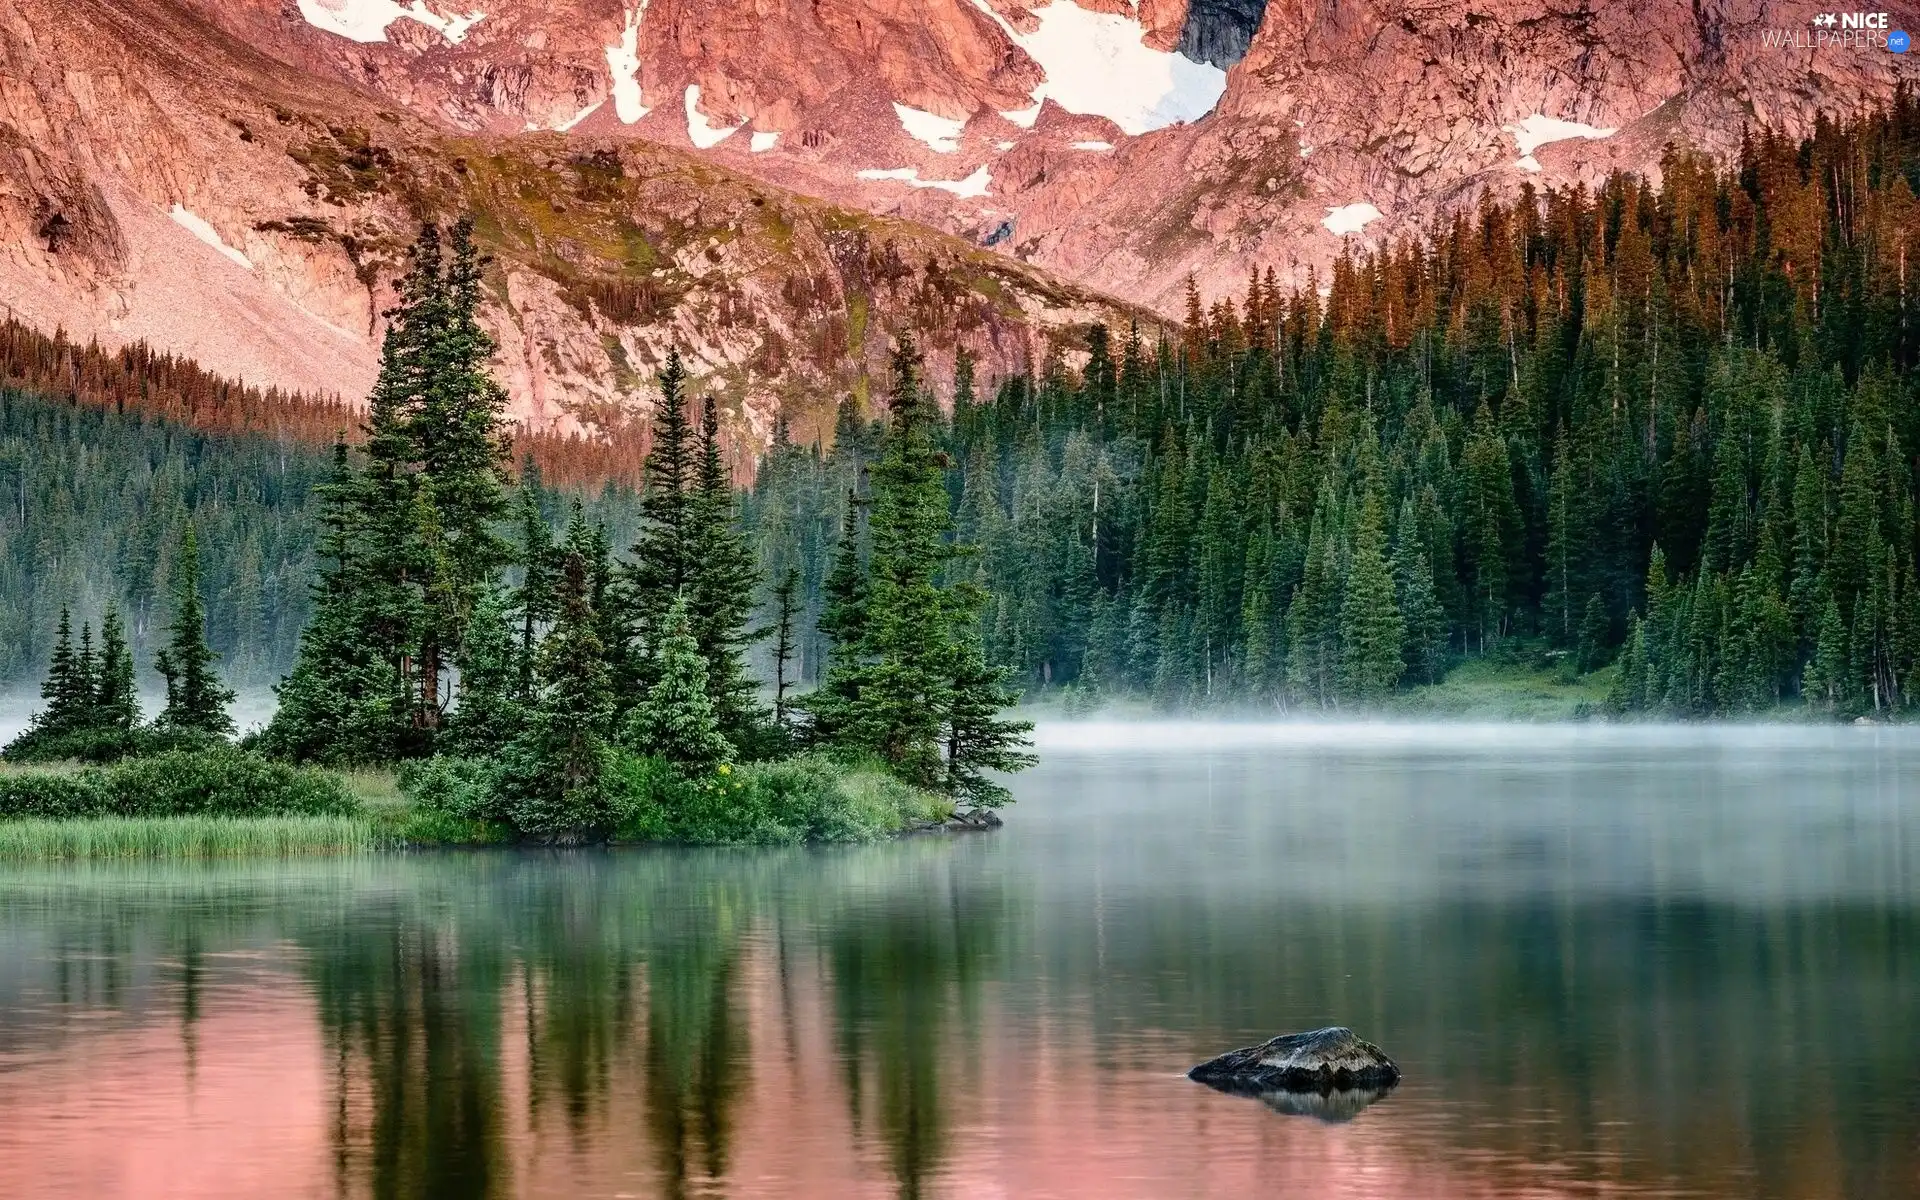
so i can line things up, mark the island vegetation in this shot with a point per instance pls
(1644, 451)
(530, 684)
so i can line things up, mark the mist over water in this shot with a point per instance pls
(1624, 960)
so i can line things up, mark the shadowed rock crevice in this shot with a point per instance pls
(1219, 31)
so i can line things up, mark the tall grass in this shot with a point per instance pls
(35, 840)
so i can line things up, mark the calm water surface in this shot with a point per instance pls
(1624, 963)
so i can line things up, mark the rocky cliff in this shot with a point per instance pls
(234, 178)
(199, 185)
(1126, 144)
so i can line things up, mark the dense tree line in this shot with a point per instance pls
(450, 622)
(138, 378)
(1672, 425)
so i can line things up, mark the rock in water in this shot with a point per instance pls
(1320, 1061)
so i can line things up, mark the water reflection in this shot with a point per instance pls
(1584, 998)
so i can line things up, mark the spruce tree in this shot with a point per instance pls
(978, 738)
(537, 597)
(676, 721)
(196, 699)
(455, 433)
(552, 776)
(116, 705)
(663, 561)
(64, 708)
(1371, 628)
(786, 611)
(491, 703)
(1824, 686)
(1590, 649)
(721, 591)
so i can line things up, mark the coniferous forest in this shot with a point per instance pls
(1665, 431)
(1671, 427)
(548, 687)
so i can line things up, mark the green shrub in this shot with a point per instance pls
(462, 788)
(641, 791)
(212, 782)
(223, 782)
(43, 794)
(455, 802)
(104, 745)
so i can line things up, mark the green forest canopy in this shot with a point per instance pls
(1673, 425)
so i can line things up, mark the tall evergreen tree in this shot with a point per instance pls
(664, 560)
(677, 720)
(116, 704)
(1372, 631)
(196, 699)
(553, 776)
(723, 584)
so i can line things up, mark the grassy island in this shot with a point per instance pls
(476, 672)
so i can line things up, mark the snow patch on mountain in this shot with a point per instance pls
(367, 20)
(1098, 64)
(578, 117)
(623, 65)
(1024, 117)
(197, 225)
(1528, 162)
(700, 131)
(1538, 130)
(940, 133)
(1350, 218)
(973, 185)
(1098, 146)
(763, 140)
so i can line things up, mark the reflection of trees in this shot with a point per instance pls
(411, 1012)
(906, 965)
(696, 1036)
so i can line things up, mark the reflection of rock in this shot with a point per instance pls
(1319, 1061)
(1333, 1105)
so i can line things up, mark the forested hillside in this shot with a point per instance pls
(94, 504)
(1678, 419)
(1671, 426)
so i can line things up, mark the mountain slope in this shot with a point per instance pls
(1127, 144)
(163, 179)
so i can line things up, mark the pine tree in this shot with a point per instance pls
(786, 600)
(537, 597)
(196, 699)
(895, 679)
(552, 776)
(721, 591)
(1371, 628)
(1424, 650)
(978, 738)
(1824, 686)
(1590, 650)
(63, 708)
(116, 705)
(492, 699)
(677, 721)
(455, 433)
(663, 562)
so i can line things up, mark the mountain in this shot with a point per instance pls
(197, 184)
(1125, 144)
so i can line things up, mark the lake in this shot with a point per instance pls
(1611, 961)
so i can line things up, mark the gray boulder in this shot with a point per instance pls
(1322, 1060)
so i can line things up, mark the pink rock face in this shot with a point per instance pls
(1336, 104)
(218, 189)
(1069, 135)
